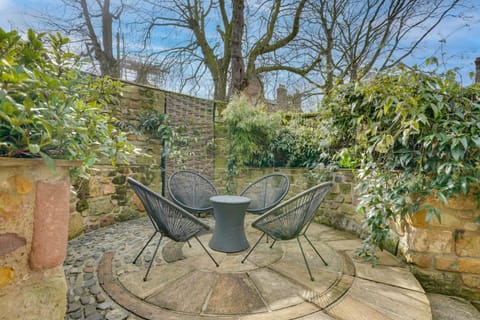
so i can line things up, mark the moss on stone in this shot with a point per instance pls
(127, 214)
(345, 188)
(81, 205)
(119, 179)
(121, 189)
(75, 226)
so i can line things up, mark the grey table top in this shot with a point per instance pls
(228, 199)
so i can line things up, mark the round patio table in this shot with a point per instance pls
(229, 232)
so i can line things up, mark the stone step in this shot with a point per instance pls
(451, 308)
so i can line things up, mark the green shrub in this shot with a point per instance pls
(249, 132)
(416, 134)
(302, 141)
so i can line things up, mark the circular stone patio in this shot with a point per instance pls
(272, 283)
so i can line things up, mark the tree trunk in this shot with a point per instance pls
(110, 63)
(239, 81)
(220, 93)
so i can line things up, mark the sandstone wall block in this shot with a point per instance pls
(22, 184)
(421, 260)
(446, 263)
(99, 206)
(10, 206)
(469, 265)
(462, 202)
(471, 280)
(10, 242)
(428, 240)
(75, 225)
(468, 245)
(458, 264)
(50, 229)
(448, 220)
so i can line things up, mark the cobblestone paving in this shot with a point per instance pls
(86, 299)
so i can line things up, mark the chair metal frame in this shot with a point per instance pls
(169, 220)
(191, 191)
(260, 192)
(291, 219)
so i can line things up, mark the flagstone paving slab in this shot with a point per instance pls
(395, 302)
(234, 293)
(186, 294)
(394, 276)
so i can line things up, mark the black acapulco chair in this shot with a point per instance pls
(191, 191)
(291, 219)
(169, 220)
(266, 192)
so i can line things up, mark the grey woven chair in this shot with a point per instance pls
(169, 220)
(291, 219)
(191, 191)
(266, 192)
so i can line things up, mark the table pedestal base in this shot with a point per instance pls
(229, 232)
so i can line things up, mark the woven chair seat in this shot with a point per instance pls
(266, 192)
(291, 219)
(168, 219)
(191, 191)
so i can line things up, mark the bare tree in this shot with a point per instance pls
(90, 24)
(238, 46)
(213, 39)
(193, 44)
(356, 36)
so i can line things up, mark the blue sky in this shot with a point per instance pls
(455, 42)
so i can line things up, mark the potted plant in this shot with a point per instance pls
(50, 113)
(49, 108)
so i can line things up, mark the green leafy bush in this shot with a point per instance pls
(249, 132)
(417, 134)
(48, 108)
(301, 141)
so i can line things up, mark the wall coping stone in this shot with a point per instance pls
(15, 162)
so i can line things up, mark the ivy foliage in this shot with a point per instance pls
(176, 140)
(415, 134)
(49, 109)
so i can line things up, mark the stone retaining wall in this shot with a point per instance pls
(34, 209)
(445, 257)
